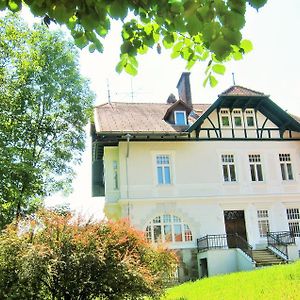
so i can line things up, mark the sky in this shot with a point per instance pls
(272, 68)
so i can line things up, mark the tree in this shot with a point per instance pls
(195, 30)
(45, 104)
(59, 257)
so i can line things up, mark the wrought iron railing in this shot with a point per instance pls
(224, 241)
(280, 241)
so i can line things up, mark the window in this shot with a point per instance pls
(286, 167)
(237, 118)
(249, 117)
(163, 169)
(225, 118)
(180, 117)
(115, 172)
(228, 167)
(168, 228)
(263, 222)
(255, 167)
(294, 221)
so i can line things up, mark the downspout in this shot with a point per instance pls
(128, 136)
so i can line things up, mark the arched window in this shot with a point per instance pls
(168, 228)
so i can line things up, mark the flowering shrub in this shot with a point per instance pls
(60, 257)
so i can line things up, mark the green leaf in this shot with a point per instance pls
(232, 36)
(120, 66)
(237, 56)
(219, 69)
(190, 64)
(92, 48)
(212, 81)
(194, 25)
(130, 69)
(118, 10)
(81, 42)
(177, 7)
(3, 4)
(246, 45)
(143, 49)
(234, 20)
(205, 81)
(257, 3)
(101, 30)
(133, 61)
(221, 48)
(175, 54)
(14, 5)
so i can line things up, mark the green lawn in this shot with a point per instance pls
(274, 283)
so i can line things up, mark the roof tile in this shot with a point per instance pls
(118, 117)
(237, 90)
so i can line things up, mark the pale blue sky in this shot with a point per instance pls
(272, 67)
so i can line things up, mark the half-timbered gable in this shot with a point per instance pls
(241, 113)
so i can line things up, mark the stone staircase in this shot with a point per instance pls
(265, 257)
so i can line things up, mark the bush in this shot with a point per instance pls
(60, 257)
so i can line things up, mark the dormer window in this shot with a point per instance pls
(237, 117)
(180, 117)
(225, 118)
(249, 117)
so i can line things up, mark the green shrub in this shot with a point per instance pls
(60, 257)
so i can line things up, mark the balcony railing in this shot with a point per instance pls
(280, 241)
(224, 241)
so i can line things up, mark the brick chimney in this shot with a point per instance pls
(184, 88)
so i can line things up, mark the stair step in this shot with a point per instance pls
(266, 258)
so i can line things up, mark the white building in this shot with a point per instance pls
(210, 180)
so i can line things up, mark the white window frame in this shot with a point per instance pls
(249, 113)
(163, 165)
(172, 222)
(293, 216)
(225, 113)
(227, 161)
(184, 114)
(255, 162)
(286, 168)
(237, 113)
(263, 222)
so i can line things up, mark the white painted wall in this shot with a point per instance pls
(225, 261)
(198, 194)
(196, 169)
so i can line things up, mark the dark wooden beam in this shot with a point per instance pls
(213, 125)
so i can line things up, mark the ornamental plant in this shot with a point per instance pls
(62, 257)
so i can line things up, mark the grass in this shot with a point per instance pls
(273, 283)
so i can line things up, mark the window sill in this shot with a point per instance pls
(165, 185)
(288, 182)
(258, 182)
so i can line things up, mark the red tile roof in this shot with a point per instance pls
(237, 90)
(118, 117)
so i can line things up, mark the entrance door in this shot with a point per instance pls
(234, 224)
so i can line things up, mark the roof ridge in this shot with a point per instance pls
(140, 103)
(241, 87)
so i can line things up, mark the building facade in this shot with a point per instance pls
(209, 180)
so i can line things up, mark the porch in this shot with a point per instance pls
(226, 253)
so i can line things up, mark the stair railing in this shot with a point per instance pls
(280, 241)
(220, 241)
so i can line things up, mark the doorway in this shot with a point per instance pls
(234, 224)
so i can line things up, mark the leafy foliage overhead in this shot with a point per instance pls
(195, 30)
(45, 104)
(62, 258)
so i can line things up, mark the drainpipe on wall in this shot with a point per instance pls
(128, 136)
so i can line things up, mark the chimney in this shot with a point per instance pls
(184, 88)
(171, 99)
